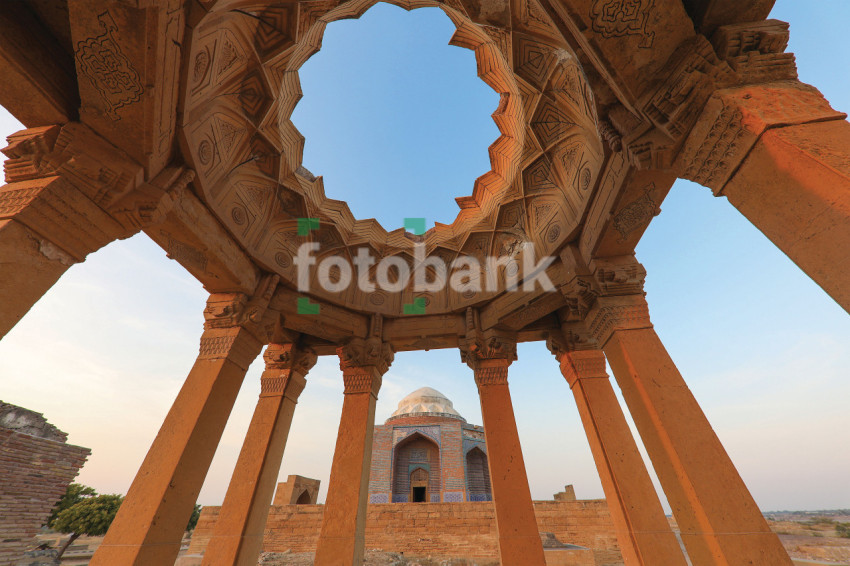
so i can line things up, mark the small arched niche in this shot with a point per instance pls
(478, 476)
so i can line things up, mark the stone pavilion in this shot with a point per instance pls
(173, 118)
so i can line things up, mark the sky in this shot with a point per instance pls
(398, 124)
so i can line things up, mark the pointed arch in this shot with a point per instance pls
(478, 476)
(416, 452)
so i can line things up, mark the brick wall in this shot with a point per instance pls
(36, 466)
(434, 529)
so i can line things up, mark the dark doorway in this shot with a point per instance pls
(419, 494)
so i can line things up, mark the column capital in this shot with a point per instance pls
(583, 364)
(491, 372)
(732, 121)
(237, 310)
(610, 314)
(490, 348)
(363, 362)
(286, 368)
(571, 337)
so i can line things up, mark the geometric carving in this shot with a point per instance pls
(550, 123)
(254, 97)
(102, 61)
(539, 176)
(710, 162)
(618, 18)
(533, 60)
(275, 29)
(242, 86)
(636, 214)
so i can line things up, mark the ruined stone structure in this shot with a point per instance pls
(172, 118)
(427, 453)
(36, 466)
(297, 490)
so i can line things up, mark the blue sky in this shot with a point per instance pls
(398, 124)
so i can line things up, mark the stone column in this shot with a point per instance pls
(643, 532)
(151, 522)
(68, 194)
(489, 354)
(719, 520)
(238, 535)
(363, 363)
(781, 155)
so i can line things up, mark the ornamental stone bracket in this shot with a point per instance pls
(236, 310)
(483, 350)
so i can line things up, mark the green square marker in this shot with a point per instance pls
(307, 225)
(418, 306)
(306, 307)
(415, 225)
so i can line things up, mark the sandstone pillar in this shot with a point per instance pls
(779, 153)
(150, 524)
(239, 529)
(68, 194)
(489, 355)
(643, 532)
(363, 363)
(795, 187)
(719, 520)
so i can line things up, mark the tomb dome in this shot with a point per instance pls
(426, 401)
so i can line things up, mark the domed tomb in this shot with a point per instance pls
(427, 452)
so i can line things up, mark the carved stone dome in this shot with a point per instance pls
(426, 402)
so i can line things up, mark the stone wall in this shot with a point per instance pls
(36, 466)
(434, 529)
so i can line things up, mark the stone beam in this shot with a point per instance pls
(629, 51)
(39, 84)
(193, 237)
(139, 46)
(626, 201)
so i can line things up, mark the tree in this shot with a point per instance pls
(74, 494)
(193, 520)
(91, 516)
